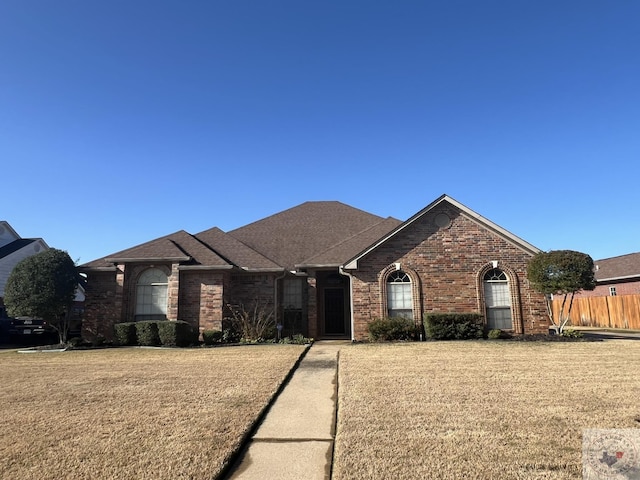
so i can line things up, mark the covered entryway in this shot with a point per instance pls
(333, 305)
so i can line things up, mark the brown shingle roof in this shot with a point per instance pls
(235, 251)
(350, 247)
(624, 266)
(179, 246)
(304, 231)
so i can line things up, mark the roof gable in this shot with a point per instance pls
(352, 264)
(7, 233)
(302, 232)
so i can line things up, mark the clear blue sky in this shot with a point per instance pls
(122, 121)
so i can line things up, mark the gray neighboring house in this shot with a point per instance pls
(13, 249)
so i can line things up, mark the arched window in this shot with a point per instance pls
(497, 300)
(151, 295)
(399, 296)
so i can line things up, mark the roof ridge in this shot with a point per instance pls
(250, 247)
(206, 245)
(235, 239)
(308, 202)
(617, 256)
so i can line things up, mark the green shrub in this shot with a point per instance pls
(231, 335)
(75, 342)
(496, 334)
(147, 333)
(570, 333)
(209, 337)
(390, 329)
(175, 333)
(297, 339)
(454, 326)
(125, 333)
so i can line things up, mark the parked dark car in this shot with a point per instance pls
(24, 329)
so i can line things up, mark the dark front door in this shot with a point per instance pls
(334, 310)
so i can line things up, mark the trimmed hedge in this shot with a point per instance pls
(125, 333)
(390, 329)
(175, 334)
(210, 337)
(147, 333)
(155, 332)
(454, 326)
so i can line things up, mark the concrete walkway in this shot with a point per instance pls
(295, 440)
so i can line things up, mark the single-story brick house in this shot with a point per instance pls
(327, 268)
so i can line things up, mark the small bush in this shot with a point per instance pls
(392, 329)
(175, 333)
(147, 333)
(297, 339)
(125, 333)
(75, 342)
(210, 337)
(230, 335)
(496, 334)
(454, 326)
(570, 333)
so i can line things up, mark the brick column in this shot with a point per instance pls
(173, 291)
(312, 308)
(118, 301)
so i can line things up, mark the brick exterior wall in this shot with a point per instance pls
(100, 313)
(446, 265)
(602, 290)
(200, 298)
(194, 296)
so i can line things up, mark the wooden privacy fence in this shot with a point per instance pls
(622, 311)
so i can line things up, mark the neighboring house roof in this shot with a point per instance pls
(291, 237)
(7, 233)
(464, 210)
(13, 249)
(618, 268)
(15, 246)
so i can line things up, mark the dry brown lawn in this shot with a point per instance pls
(485, 410)
(132, 413)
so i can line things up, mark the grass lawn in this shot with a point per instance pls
(132, 413)
(486, 410)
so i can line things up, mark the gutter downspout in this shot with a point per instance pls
(347, 274)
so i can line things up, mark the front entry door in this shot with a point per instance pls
(334, 318)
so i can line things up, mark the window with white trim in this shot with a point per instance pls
(497, 299)
(151, 295)
(612, 291)
(399, 295)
